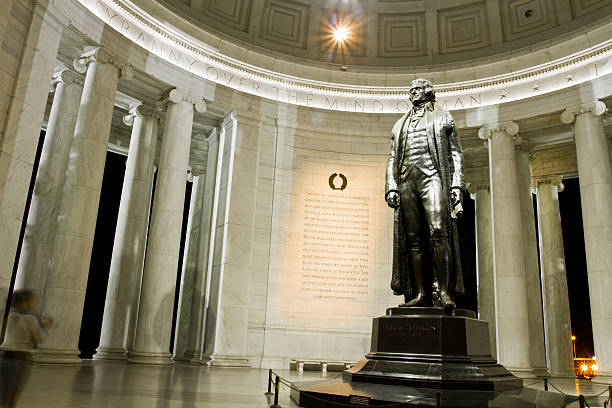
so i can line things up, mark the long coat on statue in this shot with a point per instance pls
(446, 154)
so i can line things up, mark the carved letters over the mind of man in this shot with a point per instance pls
(425, 186)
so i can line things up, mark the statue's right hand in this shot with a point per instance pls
(393, 200)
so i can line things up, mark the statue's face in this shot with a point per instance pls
(417, 94)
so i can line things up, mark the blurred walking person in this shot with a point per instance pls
(24, 331)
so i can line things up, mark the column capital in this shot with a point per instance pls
(213, 136)
(232, 116)
(596, 107)
(65, 76)
(180, 95)
(554, 180)
(473, 188)
(511, 128)
(138, 110)
(98, 54)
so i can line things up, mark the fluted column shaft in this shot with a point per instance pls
(554, 282)
(596, 199)
(537, 347)
(484, 251)
(46, 198)
(64, 294)
(512, 323)
(152, 340)
(121, 305)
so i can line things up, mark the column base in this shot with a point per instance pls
(148, 358)
(51, 356)
(226, 361)
(190, 358)
(522, 372)
(541, 372)
(103, 353)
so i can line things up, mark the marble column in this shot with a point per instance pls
(484, 251)
(154, 327)
(512, 323)
(554, 281)
(64, 293)
(596, 198)
(121, 305)
(195, 285)
(47, 195)
(21, 121)
(537, 347)
(226, 339)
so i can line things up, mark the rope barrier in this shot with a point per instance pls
(279, 380)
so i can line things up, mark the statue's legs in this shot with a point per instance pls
(436, 213)
(412, 214)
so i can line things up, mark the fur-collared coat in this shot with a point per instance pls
(446, 154)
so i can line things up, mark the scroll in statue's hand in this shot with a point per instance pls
(457, 199)
(393, 200)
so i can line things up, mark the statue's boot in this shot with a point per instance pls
(418, 264)
(442, 263)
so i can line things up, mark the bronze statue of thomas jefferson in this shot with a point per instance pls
(425, 185)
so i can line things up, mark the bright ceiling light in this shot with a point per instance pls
(341, 33)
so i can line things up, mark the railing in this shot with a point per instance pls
(275, 381)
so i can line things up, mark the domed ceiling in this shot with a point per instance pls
(391, 33)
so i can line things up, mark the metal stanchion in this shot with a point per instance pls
(438, 400)
(546, 384)
(276, 392)
(269, 383)
(582, 401)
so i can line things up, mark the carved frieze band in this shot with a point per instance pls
(207, 62)
(97, 54)
(597, 108)
(474, 188)
(555, 181)
(510, 128)
(178, 95)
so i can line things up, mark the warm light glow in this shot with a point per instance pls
(594, 367)
(341, 33)
(584, 367)
(573, 337)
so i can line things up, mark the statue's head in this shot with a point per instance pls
(421, 91)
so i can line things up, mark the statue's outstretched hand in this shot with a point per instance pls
(393, 200)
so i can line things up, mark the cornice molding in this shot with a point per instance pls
(200, 59)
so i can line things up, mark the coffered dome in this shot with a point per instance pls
(390, 33)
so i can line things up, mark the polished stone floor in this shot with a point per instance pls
(101, 384)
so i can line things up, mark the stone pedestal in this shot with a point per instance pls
(431, 348)
(419, 355)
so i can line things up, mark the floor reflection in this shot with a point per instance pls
(110, 384)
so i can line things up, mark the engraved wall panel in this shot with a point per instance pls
(463, 28)
(233, 13)
(286, 22)
(525, 17)
(401, 35)
(355, 22)
(582, 7)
